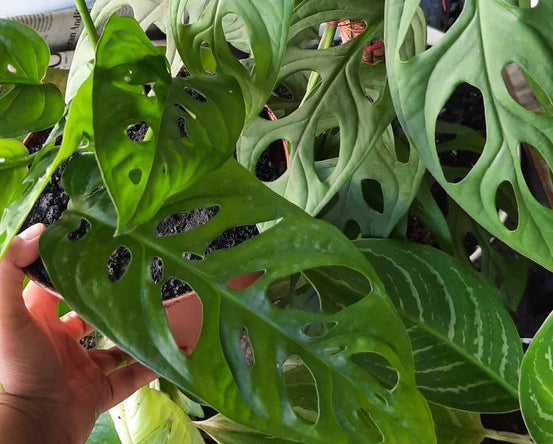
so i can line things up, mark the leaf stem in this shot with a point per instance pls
(513, 438)
(326, 42)
(87, 20)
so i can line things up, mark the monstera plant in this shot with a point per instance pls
(347, 332)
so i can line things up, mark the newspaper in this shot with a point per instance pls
(60, 29)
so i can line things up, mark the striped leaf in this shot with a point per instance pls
(466, 347)
(536, 385)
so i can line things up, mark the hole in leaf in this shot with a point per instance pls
(245, 280)
(373, 195)
(125, 11)
(334, 351)
(183, 222)
(137, 131)
(464, 107)
(440, 18)
(506, 205)
(473, 250)
(185, 317)
(118, 263)
(301, 389)
(537, 175)
(246, 347)
(524, 90)
(156, 270)
(196, 95)
(289, 93)
(236, 35)
(378, 366)
(232, 237)
(369, 427)
(192, 256)
(273, 162)
(181, 122)
(318, 329)
(352, 229)
(327, 145)
(135, 175)
(174, 287)
(11, 68)
(80, 232)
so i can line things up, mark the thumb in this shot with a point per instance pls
(23, 252)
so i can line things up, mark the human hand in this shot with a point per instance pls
(53, 389)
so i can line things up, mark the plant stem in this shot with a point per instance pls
(513, 438)
(326, 42)
(87, 20)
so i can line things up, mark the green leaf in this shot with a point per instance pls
(456, 426)
(421, 85)
(341, 100)
(353, 405)
(379, 192)
(78, 126)
(104, 431)
(26, 104)
(193, 124)
(225, 431)
(466, 346)
(536, 380)
(266, 23)
(150, 417)
(12, 169)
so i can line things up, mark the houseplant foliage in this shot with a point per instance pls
(365, 341)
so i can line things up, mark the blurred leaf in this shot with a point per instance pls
(456, 426)
(26, 104)
(104, 431)
(13, 168)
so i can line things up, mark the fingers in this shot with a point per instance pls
(109, 360)
(40, 303)
(23, 251)
(75, 326)
(127, 380)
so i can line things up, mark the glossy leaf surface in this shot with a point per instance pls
(354, 406)
(421, 85)
(26, 104)
(536, 380)
(77, 128)
(466, 346)
(192, 124)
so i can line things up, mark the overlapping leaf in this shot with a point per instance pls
(25, 103)
(77, 127)
(378, 194)
(13, 169)
(466, 346)
(265, 23)
(353, 405)
(536, 381)
(193, 124)
(456, 426)
(472, 52)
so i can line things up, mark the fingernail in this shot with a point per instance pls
(32, 232)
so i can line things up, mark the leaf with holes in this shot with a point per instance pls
(341, 100)
(421, 85)
(192, 124)
(78, 126)
(379, 192)
(25, 103)
(466, 346)
(536, 380)
(456, 426)
(246, 340)
(266, 24)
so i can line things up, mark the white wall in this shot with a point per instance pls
(9, 8)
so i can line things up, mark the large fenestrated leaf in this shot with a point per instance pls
(193, 123)
(340, 100)
(265, 23)
(536, 382)
(456, 426)
(379, 192)
(474, 52)
(25, 103)
(77, 127)
(353, 405)
(466, 347)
